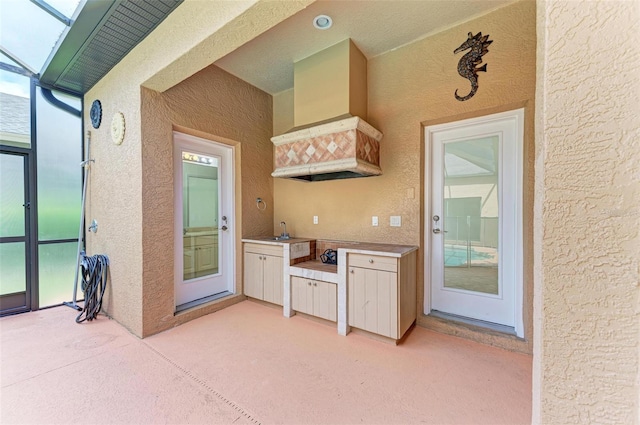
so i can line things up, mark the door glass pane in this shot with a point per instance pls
(200, 215)
(12, 268)
(15, 109)
(471, 215)
(11, 195)
(57, 267)
(59, 171)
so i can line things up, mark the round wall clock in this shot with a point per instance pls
(117, 128)
(96, 113)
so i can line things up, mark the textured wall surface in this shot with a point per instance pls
(283, 112)
(160, 61)
(219, 27)
(408, 88)
(216, 106)
(588, 224)
(114, 199)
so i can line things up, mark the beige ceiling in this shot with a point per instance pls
(376, 27)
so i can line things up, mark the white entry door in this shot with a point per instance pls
(204, 227)
(474, 221)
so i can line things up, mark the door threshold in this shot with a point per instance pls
(489, 326)
(200, 301)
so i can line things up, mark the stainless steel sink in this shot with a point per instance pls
(279, 238)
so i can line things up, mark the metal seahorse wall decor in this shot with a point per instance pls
(470, 60)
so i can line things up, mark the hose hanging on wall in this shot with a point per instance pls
(95, 270)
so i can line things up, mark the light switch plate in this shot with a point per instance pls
(374, 220)
(395, 221)
(315, 219)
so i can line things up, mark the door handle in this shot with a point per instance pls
(224, 227)
(436, 230)
(27, 205)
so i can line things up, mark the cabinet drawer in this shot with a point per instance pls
(263, 249)
(375, 262)
(205, 240)
(191, 241)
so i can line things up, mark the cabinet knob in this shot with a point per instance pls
(309, 283)
(351, 271)
(315, 284)
(260, 257)
(371, 260)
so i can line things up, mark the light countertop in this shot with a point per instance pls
(387, 250)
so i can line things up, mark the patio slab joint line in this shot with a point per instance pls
(206, 386)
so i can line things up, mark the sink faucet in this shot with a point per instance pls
(284, 234)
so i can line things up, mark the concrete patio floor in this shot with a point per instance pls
(248, 364)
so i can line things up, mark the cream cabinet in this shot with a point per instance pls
(314, 297)
(206, 253)
(381, 293)
(200, 255)
(263, 272)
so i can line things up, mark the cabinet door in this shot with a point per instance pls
(273, 279)
(362, 298)
(204, 258)
(301, 295)
(387, 304)
(325, 300)
(373, 296)
(253, 275)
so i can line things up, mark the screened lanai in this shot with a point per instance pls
(51, 53)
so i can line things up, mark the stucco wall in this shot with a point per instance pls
(115, 197)
(411, 87)
(587, 345)
(216, 106)
(207, 31)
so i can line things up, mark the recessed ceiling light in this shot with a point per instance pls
(322, 22)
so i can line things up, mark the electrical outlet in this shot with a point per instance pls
(315, 219)
(395, 221)
(374, 220)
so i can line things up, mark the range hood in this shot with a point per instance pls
(341, 149)
(330, 139)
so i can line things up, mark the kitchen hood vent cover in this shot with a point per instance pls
(341, 149)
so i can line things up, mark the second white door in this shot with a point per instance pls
(474, 221)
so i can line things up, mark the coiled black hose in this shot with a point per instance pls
(95, 271)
